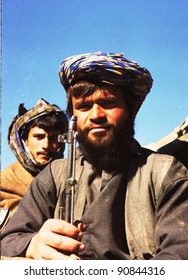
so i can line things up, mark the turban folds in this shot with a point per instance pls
(105, 67)
(15, 139)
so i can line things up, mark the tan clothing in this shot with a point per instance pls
(15, 180)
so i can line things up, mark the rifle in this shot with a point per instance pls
(70, 138)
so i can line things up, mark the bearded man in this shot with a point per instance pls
(129, 203)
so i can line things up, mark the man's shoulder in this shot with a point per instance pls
(15, 175)
(163, 166)
(14, 169)
(163, 160)
(10, 167)
(57, 162)
(154, 157)
(58, 166)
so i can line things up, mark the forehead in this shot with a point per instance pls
(101, 93)
(38, 130)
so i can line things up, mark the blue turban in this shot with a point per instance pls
(105, 67)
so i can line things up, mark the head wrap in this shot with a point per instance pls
(105, 67)
(15, 140)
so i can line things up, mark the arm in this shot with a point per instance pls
(172, 216)
(26, 231)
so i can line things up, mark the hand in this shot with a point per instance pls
(56, 240)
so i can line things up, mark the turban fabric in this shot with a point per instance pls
(15, 140)
(105, 67)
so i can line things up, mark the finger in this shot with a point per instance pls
(80, 225)
(62, 227)
(74, 257)
(60, 242)
(49, 253)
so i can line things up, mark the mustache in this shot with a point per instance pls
(92, 126)
(49, 153)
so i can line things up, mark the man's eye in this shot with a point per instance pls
(83, 106)
(109, 103)
(38, 136)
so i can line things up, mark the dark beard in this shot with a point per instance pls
(112, 154)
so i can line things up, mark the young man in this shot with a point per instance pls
(129, 202)
(32, 137)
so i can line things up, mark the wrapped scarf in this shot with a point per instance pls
(107, 68)
(16, 127)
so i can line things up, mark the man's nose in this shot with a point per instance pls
(46, 143)
(97, 113)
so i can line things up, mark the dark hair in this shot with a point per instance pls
(52, 121)
(86, 88)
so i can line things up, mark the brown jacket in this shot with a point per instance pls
(15, 180)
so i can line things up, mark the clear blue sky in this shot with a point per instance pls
(37, 35)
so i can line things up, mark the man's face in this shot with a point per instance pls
(42, 145)
(99, 113)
